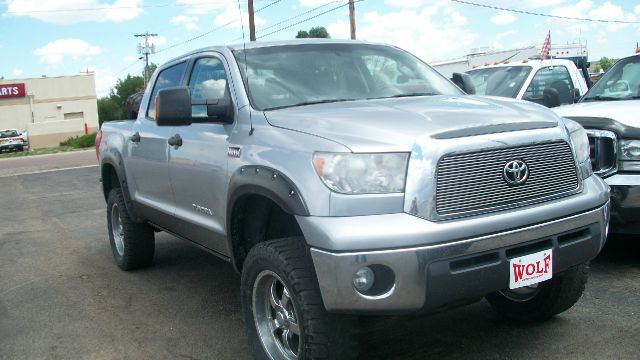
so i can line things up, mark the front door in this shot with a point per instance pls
(148, 159)
(198, 167)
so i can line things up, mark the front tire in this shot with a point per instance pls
(283, 310)
(132, 243)
(543, 301)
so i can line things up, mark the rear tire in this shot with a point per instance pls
(549, 298)
(132, 243)
(293, 324)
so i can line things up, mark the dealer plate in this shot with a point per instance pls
(530, 269)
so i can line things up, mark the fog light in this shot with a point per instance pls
(363, 279)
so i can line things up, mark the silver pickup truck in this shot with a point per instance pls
(344, 178)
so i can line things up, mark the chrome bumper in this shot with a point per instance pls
(625, 202)
(429, 277)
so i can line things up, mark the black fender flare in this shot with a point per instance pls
(263, 181)
(114, 159)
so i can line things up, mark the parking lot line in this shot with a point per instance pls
(49, 170)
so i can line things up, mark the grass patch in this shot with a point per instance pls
(42, 151)
(80, 142)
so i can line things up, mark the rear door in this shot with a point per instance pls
(149, 156)
(198, 167)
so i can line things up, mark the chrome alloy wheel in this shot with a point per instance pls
(275, 317)
(521, 294)
(117, 230)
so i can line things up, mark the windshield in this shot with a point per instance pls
(504, 81)
(8, 133)
(293, 75)
(621, 82)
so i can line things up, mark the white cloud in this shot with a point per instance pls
(50, 11)
(105, 80)
(637, 10)
(313, 2)
(54, 52)
(17, 72)
(502, 35)
(587, 9)
(442, 31)
(200, 7)
(503, 18)
(189, 23)
(231, 17)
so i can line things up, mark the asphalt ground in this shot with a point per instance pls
(62, 297)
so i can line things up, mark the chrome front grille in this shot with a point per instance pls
(603, 146)
(473, 182)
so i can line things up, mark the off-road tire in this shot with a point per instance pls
(555, 296)
(137, 245)
(322, 335)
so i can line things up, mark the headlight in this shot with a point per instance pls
(629, 149)
(629, 155)
(349, 173)
(580, 143)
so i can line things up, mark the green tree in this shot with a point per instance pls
(111, 107)
(108, 109)
(314, 32)
(605, 63)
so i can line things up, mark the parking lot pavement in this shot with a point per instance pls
(43, 163)
(62, 297)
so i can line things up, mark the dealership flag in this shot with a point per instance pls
(546, 46)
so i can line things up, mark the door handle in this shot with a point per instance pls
(175, 140)
(135, 137)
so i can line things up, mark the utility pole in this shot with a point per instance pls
(252, 24)
(145, 49)
(352, 19)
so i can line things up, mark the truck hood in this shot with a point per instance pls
(623, 111)
(395, 124)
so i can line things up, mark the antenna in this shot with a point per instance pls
(246, 71)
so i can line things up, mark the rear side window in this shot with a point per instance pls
(553, 77)
(169, 77)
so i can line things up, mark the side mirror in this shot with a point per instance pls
(464, 82)
(550, 97)
(222, 111)
(173, 107)
(575, 95)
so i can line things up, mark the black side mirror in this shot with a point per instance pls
(173, 107)
(464, 82)
(550, 97)
(575, 95)
(222, 111)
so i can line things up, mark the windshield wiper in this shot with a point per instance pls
(604, 98)
(403, 95)
(309, 103)
(413, 94)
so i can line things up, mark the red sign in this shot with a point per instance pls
(12, 91)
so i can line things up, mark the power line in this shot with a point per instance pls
(212, 31)
(221, 2)
(544, 15)
(309, 18)
(291, 18)
(126, 67)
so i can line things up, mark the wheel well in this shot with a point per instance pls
(255, 219)
(109, 179)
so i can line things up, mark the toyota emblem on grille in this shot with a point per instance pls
(515, 172)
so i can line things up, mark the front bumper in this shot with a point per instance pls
(625, 203)
(430, 277)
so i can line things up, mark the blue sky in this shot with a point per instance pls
(63, 37)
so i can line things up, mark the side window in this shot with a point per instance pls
(169, 77)
(208, 82)
(554, 77)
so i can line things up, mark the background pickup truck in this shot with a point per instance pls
(344, 178)
(547, 82)
(609, 113)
